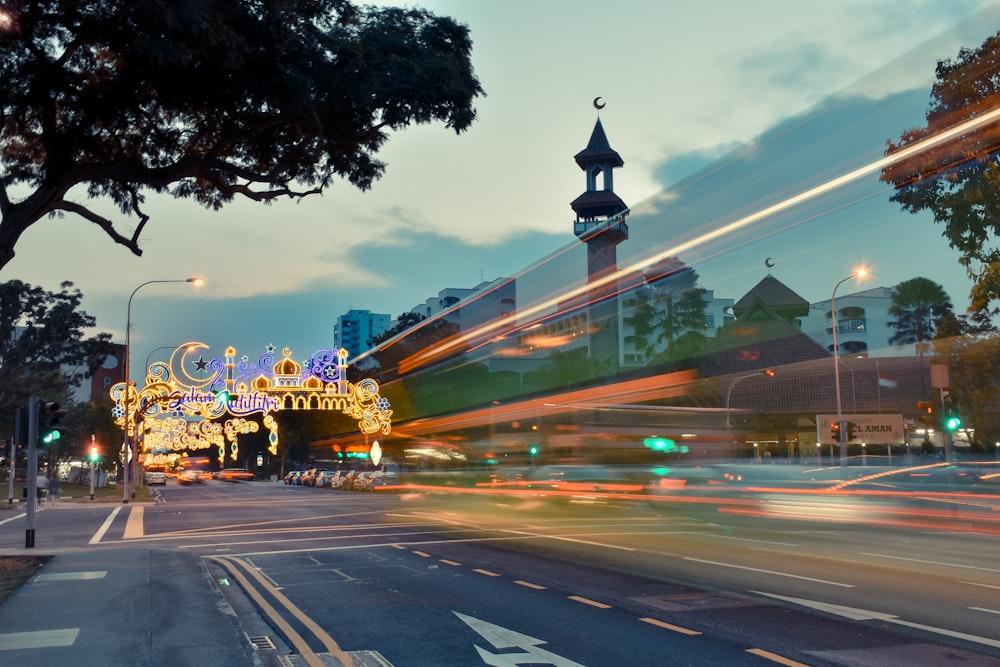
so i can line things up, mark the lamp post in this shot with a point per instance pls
(126, 463)
(729, 391)
(859, 273)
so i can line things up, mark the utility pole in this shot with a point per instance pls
(31, 483)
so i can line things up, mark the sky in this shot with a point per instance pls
(717, 108)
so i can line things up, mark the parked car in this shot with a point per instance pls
(383, 479)
(323, 478)
(348, 483)
(292, 477)
(337, 481)
(306, 478)
(362, 481)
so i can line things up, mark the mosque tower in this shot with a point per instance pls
(600, 223)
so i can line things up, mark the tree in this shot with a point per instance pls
(958, 180)
(43, 351)
(670, 306)
(917, 306)
(210, 99)
(973, 361)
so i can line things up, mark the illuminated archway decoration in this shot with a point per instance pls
(243, 388)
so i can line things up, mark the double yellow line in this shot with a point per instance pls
(239, 569)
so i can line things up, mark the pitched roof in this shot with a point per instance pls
(598, 150)
(759, 339)
(774, 294)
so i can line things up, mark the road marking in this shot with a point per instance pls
(592, 603)
(104, 528)
(422, 554)
(668, 626)
(866, 615)
(990, 611)
(16, 641)
(504, 638)
(777, 574)
(71, 576)
(13, 518)
(530, 585)
(973, 583)
(450, 562)
(774, 657)
(933, 562)
(231, 564)
(486, 572)
(133, 527)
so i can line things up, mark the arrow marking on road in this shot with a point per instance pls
(502, 638)
(865, 615)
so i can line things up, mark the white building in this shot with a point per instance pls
(862, 324)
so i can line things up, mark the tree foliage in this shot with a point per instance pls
(958, 180)
(973, 360)
(210, 100)
(917, 306)
(670, 307)
(43, 347)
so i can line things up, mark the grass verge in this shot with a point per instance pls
(16, 570)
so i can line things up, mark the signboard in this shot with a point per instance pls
(878, 429)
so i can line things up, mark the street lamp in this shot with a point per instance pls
(149, 356)
(198, 282)
(729, 391)
(858, 273)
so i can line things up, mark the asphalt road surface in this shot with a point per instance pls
(421, 579)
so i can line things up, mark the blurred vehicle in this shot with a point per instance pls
(291, 477)
(308, 477)
(323, 478)
(235, 474)
(156, 478)
(189, 477)
(337, 481)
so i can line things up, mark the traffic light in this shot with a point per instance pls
(851, 427)
(952, 421)
(94, 455)
(925, 413)
(835, 431)
(48, 418)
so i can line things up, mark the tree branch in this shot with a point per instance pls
(107, 225)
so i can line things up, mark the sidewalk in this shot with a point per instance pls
(127, 607)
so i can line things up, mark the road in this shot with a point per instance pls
(462, 579)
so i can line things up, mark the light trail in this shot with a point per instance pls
(503, 325)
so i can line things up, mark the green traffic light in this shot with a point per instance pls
(952, 422)
(51, 436)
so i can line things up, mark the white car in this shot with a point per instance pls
(154, 478)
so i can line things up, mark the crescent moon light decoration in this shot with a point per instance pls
(598, 104)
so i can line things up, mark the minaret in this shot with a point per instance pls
(600, 223)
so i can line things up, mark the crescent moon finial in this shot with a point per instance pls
(769, 263)
(598, 104)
